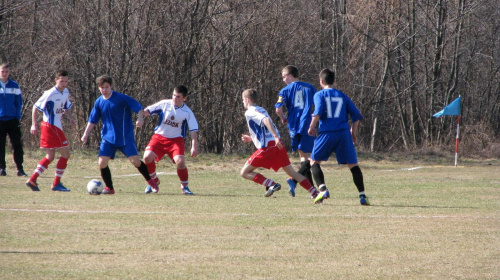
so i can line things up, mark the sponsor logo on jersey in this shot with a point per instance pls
(59, 111)
(171, 123)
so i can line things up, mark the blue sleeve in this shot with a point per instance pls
(133, 104)
(281, 100)
(18, 103)
(353, 111)
(95, 114)
(318, 104)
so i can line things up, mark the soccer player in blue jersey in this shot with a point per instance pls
(11, 103)
(297, 97)
(114, 109)
(332, 110)
(270, 153)
(54, 103)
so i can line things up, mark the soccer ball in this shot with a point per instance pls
(95, 187)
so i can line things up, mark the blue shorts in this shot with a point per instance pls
(338, 142)
(109, 150)
(305, 143)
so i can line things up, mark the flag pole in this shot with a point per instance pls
(456, 140)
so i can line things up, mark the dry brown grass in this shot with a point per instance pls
(428, 221)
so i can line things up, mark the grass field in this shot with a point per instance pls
(428, 220)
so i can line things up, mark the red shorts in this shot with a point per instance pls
(270, 157)
(51, 136)
(170, 146)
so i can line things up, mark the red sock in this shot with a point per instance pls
(40, 168)
(152, 169)
(308, 187)
(60, 167)
(261, 180)
(183, 176)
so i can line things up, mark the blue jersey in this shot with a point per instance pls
(298, 99)
(116, 115)
(334, 109)
(11, 101)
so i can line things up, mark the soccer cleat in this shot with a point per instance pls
(291, 185)
(364, 200)
(108, 190)
(20, 173)
(2, 172)
(322, 196)
(60, 188)
(148, 189)
(276, 187)
(32, 185)
(186, 190)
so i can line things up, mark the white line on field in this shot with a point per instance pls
(132, 175)
(247, 214)
(406, 169)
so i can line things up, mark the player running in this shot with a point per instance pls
(332, 110)
(270, 153)
(297, 97)
(175, 118)
(54, 103)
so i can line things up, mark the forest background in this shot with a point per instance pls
(399, 61)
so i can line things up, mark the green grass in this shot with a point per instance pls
(430, 222)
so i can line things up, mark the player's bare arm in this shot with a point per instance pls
(88, 129)
(194, 143)
(312, 126)
(282, 116)
(354, 129)
(246, 138)
(140, 118)
(34, 127)
(268, 123)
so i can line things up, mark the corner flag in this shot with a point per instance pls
(453, 109)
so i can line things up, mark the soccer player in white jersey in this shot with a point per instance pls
(332, 110)
(54, 103)
(297, 97)
(270, 153)
(175, 118)
(114, 109)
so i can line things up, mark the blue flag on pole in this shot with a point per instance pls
(453, 109)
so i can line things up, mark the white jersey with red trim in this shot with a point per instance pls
(173, 121)
(53, 103)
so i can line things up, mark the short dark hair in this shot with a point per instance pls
(61, 73)
(182, 90)
(5, 65)
(104, 79)
(250, 94)
(292, 70)
(328, 76)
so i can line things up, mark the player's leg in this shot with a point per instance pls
(3, 142)
(303, 181)
(149, 160)
(248, 172)
(40, 168)
(143, 169)
(62, 163)
(182, 173)
(106, 175)
(17, 146)
(346, 153)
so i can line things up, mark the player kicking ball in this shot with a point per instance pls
(270, 153)
(175, 119)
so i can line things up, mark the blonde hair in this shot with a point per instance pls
(250, 94)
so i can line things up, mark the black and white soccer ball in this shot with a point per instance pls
(95, 187)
